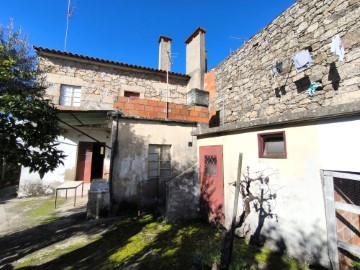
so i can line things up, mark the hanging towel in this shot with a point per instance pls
(337, 47)
(274, 71)
(302, 60)
(313, 86)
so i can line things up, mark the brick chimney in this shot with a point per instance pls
(164, 53)
(196, 58)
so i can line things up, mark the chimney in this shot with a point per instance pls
(196, 58)
(164, 53)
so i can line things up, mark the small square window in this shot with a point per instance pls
(70, 95)
(131, 94)
(272, 145)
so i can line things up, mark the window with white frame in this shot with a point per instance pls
(70, 95)
(159, 161)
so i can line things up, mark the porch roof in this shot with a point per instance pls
(82, 118)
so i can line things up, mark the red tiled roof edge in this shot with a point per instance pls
(84, 57)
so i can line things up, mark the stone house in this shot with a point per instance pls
(134, 119)
(289, 100)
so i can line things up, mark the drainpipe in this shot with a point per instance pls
(114, 152)
(167, 84)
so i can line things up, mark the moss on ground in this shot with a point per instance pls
(40, 209)
(52, 253)
(149, 242)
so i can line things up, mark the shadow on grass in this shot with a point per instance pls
(151, 243)
(19, 244)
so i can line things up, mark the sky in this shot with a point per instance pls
(128, 31)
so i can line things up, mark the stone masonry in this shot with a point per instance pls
(101, 83)
(244, 80)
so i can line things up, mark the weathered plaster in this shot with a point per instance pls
(131, 162)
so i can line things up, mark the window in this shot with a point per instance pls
(272, 145)
(131, 94)
(159, 161)
(210, 163)
(70, 95)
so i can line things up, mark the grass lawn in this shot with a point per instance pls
(150, 242)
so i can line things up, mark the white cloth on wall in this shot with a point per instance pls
(302, 60)
(337, 47)
(274, 71)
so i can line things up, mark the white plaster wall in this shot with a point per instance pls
(339, 145)
(296, 181)
(68, 143)
(130, 166)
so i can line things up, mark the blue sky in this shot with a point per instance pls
(128, 30)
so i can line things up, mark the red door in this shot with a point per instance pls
(90, 161)
(83, 169)
(212, 183)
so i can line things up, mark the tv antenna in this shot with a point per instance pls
(68, 16)
(243, 39)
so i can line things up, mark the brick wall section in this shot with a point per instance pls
(153, 109)
(244, 79)
(209, 85)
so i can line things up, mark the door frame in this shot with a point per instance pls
(86, 169)
(217, 187)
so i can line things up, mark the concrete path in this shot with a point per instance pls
(31, 226)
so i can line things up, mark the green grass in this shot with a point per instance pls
(50, 254)
(35, 210)
(150, 242)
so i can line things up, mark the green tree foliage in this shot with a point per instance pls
(28, 122)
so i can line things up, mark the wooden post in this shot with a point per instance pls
(328, 189)
(228, 239)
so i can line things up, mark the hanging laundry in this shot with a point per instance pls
(313, 86)
(337, 47)
(276, 69)
(274, 72)
(302, 60)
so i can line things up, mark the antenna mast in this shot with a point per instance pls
(68, 15)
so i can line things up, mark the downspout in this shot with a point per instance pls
(114, 152)
(167, 87)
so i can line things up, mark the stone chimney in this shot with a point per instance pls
(196, 58)
(164, 53)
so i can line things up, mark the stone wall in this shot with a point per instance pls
(101, 83)
(182, 196)
(244, 79)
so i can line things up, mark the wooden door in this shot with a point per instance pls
(83, 168)
(212, 183)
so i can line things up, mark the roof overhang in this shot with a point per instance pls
(81, 118)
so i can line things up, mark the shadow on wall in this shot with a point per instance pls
(130, 144)
(302, 84)
(334, 76)
(182, 195)
(215, 120)
(134, 186)
(256, 238)
(306, 246)
(128, 168)
(210, 209)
